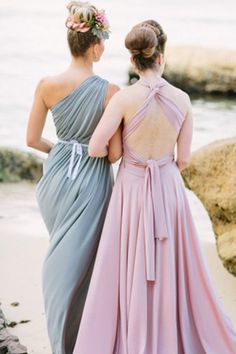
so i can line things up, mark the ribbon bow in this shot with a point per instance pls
(76, 150)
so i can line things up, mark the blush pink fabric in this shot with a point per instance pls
(151, 292)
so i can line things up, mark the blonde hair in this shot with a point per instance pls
(81, 11)
(79, 42)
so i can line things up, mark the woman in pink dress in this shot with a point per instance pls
(151, 292)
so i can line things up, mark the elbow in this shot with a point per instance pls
(115, 152)
(30, 142)
(92, 152)
(183, 163)
(96, 149)
(114, 157)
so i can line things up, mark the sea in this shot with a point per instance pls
(33, 45)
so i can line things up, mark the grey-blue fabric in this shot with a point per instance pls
(73, 196)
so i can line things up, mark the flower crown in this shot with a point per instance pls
(98, 25)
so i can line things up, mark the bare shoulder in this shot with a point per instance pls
(122, 96)
(124, 93)
(43, 86)
(111, 91)
(184, 96)
(50, 88)
(181, 93)
(112, 88)
(49, 83)
(181, 97)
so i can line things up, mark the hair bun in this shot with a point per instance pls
(81, 11)
(142, 40)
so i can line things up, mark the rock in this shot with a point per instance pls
(211, 174)
(9, 344)
(12, 324)
(16, 165)
(199, 70)
(3, 350)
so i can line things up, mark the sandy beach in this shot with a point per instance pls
(23, 244)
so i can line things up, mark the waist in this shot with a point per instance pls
(71, 142)
(140, 166)
(75, 158)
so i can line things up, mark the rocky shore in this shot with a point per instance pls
(16, 165)
(211, 175)
(9, 344)
(200, 71)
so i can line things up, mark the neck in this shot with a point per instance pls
(150, 75)
(82, 64)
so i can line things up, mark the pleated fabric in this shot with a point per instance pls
(151, 291)
(73, 196)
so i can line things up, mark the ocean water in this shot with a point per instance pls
(33, 45)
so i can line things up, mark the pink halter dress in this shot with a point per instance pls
(151, 291)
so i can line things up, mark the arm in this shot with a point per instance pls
(103, 137)
(184, 140)
(115, 143)
(115, 147)
(36, 122)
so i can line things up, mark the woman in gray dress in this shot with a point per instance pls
(74, 191)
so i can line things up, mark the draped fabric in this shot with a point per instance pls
(151, 292)
(73, 196)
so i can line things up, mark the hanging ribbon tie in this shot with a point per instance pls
(76, 150)
(154, 216)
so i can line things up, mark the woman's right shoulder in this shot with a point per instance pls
(48, 83)
(50, 88)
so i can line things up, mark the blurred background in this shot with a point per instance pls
(33, 45)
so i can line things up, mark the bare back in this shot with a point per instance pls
(156, 134)
(154, 116)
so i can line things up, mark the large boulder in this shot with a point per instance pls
(16, 165)
(211, 175)
(199, 70)
(202, 70)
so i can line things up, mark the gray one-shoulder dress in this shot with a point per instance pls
(73, 195)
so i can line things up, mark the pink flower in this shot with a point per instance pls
(69, 23)
(78, 27)
(81, 27)
(100, 17)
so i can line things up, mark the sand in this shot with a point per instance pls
(23, 244)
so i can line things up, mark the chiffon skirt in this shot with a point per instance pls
(179, 312)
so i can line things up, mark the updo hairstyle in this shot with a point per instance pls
(146, 41)
(80, 42)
